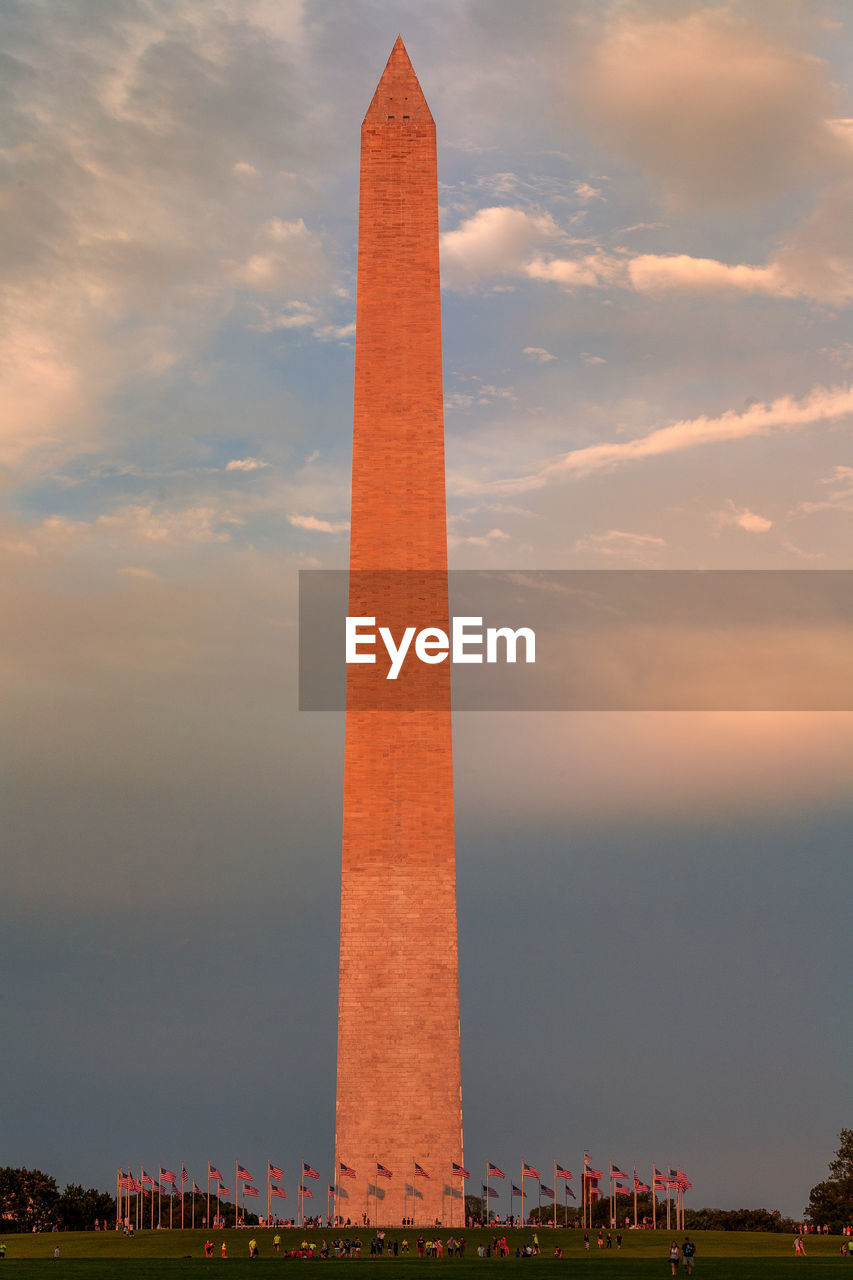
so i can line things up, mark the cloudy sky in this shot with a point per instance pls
(648, 274)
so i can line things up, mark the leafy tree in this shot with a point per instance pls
(831, 1202)
(78, 1207)
(27, 1199)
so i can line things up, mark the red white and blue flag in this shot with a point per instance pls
(223, 1190)
(251, 1191)
(490, 1192)
(166, 1175)
(213, 1172)
(382, 1172)
(243, 1175)
(146, 1177)
(546, 1191)
(459, 1172)
(528, 1171)
(276, 1190)
(616, 1172)
(273, 1170)
(494, 1171)
(563, 1173)
(420, 1172)
(640, 1186)
(346, 1171)
(308, 1172)
(303, 1191)
(517, 1191)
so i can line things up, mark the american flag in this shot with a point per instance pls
(517, 1191)
(345, 1170)
(528, 1171)
(166, 1175)
(197, 1191)
(277, 1191)
(616, 1172)
(592, 1174)
(185, 1177)
(622, 1189)
(273, 1170)
(223, 1190)
(251, 1191)
(308, 1172)
(459, 1172)
(489, 1191)
(331, 1190)
(546, 1191)
(146, 1177)
(494, 1171)
(243, 1175)
(562, 1173)
(571, 1193)
(382, 1172)
(640, 1186)
(213, 1172)
(303, 1191)
(420, 1172)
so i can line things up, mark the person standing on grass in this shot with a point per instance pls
(688, 1253)
(674, 1256)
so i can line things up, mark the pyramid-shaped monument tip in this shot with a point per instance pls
(399, 100)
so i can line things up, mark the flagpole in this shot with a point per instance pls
(236, 1192)
(159, 1202)
(269, 1193)
(635, 1195)
(555, 1195)
(208, 1195)
(522, 1193)
(171, 1203)
(139, 1197)
(183, 1171)
(486, 1197)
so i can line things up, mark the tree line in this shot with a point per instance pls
(31, 1199)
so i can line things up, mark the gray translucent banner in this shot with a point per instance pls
(605, 640)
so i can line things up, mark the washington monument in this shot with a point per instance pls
(398, 1129)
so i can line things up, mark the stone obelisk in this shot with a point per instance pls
(399, 1104)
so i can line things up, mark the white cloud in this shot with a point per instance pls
(743, 518)
(246, 464)
(493, 243)
(661, 273)
(539, 355)
(785, 414)
(316, 525)
(588, 358)
(479, 540)
(585, 192)
(593, 270)
(616, 542)
(711, 107)
(839, 497)
(288, 256)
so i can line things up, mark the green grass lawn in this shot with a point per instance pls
(174, 1254)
